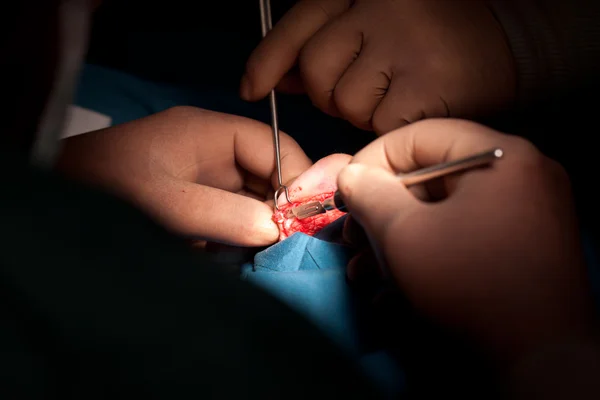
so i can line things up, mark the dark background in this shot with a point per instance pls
(178, 41)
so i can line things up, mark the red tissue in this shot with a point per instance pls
(309, 226)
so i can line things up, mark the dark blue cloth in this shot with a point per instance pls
(309, 274)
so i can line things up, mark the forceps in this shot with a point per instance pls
(266, 25)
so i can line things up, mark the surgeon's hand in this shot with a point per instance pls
(493, 253)
(200, 173)
(382, 64)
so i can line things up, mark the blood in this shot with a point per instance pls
(309, 226)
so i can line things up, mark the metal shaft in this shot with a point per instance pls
(266, 26)
(439, 170)
(427, 174)
(420, 176)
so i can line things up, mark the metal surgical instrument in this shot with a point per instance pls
(267, 25)
(412, 178)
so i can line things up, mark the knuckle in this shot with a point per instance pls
(308, 64)
(322, 8)
(385, 122)
(346, 101)
(307, 56)
(290, 148)
(329, 8)
(382, 123)
(350, 104)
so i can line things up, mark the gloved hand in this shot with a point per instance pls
(203, 174)
(492, 253)
(382, 64)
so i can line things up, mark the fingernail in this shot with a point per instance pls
(245, 89)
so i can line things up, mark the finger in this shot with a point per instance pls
(202, 212)
(229, 147)
(256, 185)
(429, 142)
(373, 196)
(405, 103)
(361, 88)
(252, 195)
(279, 50)
(253, 148)
(325, 58)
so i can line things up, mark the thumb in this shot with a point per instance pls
(375, 197)
(203, 212)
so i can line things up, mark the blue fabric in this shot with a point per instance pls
(309, 274)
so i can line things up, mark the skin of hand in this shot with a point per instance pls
(202, 174)
(493, 253)
(382, 64)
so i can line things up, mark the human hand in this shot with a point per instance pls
(496, 256)
(203, 174)
(382, 64)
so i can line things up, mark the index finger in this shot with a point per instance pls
(278, 51)
(254, 152)
(427, 143)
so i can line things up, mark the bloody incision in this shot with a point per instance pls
(309, 226)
